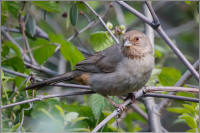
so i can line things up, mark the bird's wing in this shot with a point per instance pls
(102, 62)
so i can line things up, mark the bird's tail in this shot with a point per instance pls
(64, 77)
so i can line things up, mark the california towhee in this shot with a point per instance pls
(115, 71)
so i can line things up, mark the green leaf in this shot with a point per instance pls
(49, 6)
(189, 108)
(189, 120)
(100, 40)
(169, 76)
(31, 25)
(15, 127)
(13, 8)
(188, 2)
(42, 50)
(60, 110)
(4, 12)
(46, 27)
(73, 14)
(193, 130)
(13, 47)
(97, 103)
(178, 110)
(5, 51)
(15, 62)
(67, 49)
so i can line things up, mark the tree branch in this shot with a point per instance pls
(159, 95)
(41, 97)
(38, 79)
(101, 20)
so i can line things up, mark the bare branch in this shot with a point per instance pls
(170, 89)
(38, 79)
(41, 97)
(101, 20)
(159, 95)
(153, 115)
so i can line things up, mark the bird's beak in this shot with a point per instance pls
(127, 43)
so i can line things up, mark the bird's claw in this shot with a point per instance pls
(121, 107)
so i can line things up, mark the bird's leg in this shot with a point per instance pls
(120, 106)
(131, 96)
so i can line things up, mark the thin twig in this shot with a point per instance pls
(41, 97)
(159, 95)
(101, 20)
(38, 79)
(22, 24)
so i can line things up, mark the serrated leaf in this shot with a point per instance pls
(73, 14)
(169, 76)
(15, 62)
(60, 110)
(100, 40)
(97, 103)
(49, 6)
(178, 110)
(189, 120)
(42, 50)
(31, 25)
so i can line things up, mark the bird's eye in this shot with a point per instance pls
(136, 38)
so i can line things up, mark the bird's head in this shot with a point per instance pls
(136, 45)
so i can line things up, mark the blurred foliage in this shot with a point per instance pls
(60, 20)
(188, 113)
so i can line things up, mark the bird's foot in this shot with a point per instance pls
(119, 106)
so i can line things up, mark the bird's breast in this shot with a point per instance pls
(130, 75)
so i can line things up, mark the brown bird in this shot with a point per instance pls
(115, 71)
